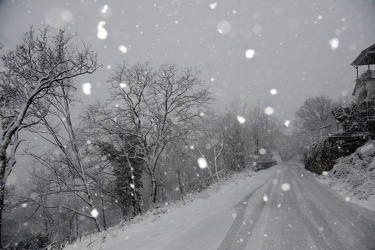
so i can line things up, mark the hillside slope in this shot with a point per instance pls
(353, 176)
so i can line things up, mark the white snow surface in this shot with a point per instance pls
(353, 176)
(181, 225)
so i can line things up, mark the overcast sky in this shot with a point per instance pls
(300, 48)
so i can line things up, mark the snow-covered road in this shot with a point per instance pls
(283, 207)
(301, 215)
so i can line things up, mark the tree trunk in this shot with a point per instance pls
(103, 215)
(136, 206)
(77, 226)
(135, 199)
(2, 190)
(124, 210)
(180, 183)
(215, 163)
(154, 190)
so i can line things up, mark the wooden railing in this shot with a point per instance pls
(264, 164)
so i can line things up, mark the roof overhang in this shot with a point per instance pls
(366, 57)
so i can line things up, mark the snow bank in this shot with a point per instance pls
(353, 176)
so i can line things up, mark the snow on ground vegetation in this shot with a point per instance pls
(353, 176)
(181, 223)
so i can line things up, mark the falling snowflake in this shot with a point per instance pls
(268, 110)
(86, 88)
(347, 198)
(102, 33)
(104, 9)
(123, 49)
(285, 187)
(213, 5)
(24, 205)
(241, 119)
(132, 185)
(249, 54)
(334, 43)
(262, 151)
(94, 213)
(287, 123)
(202, 163)
(273, 91)
(274, 181)
(265, 198)
(224, 27)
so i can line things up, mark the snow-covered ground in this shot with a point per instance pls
(164, 227)
(353, 176)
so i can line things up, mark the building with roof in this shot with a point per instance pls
(364, 89)
(365, 84)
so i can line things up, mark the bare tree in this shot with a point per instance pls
(315, 113)
(157, 107)
(235, 139)
(263, 128)
(208, 142)
(72, 171)
(33, 71)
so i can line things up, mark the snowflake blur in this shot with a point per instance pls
(202, 163)
(102, 33)
(86, 88)
(249, 54)
(241, 119)
(94, 213)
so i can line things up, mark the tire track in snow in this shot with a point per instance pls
(343, 227)
(239, 228)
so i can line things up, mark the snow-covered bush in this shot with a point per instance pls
(322, 155)
(355, 173)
